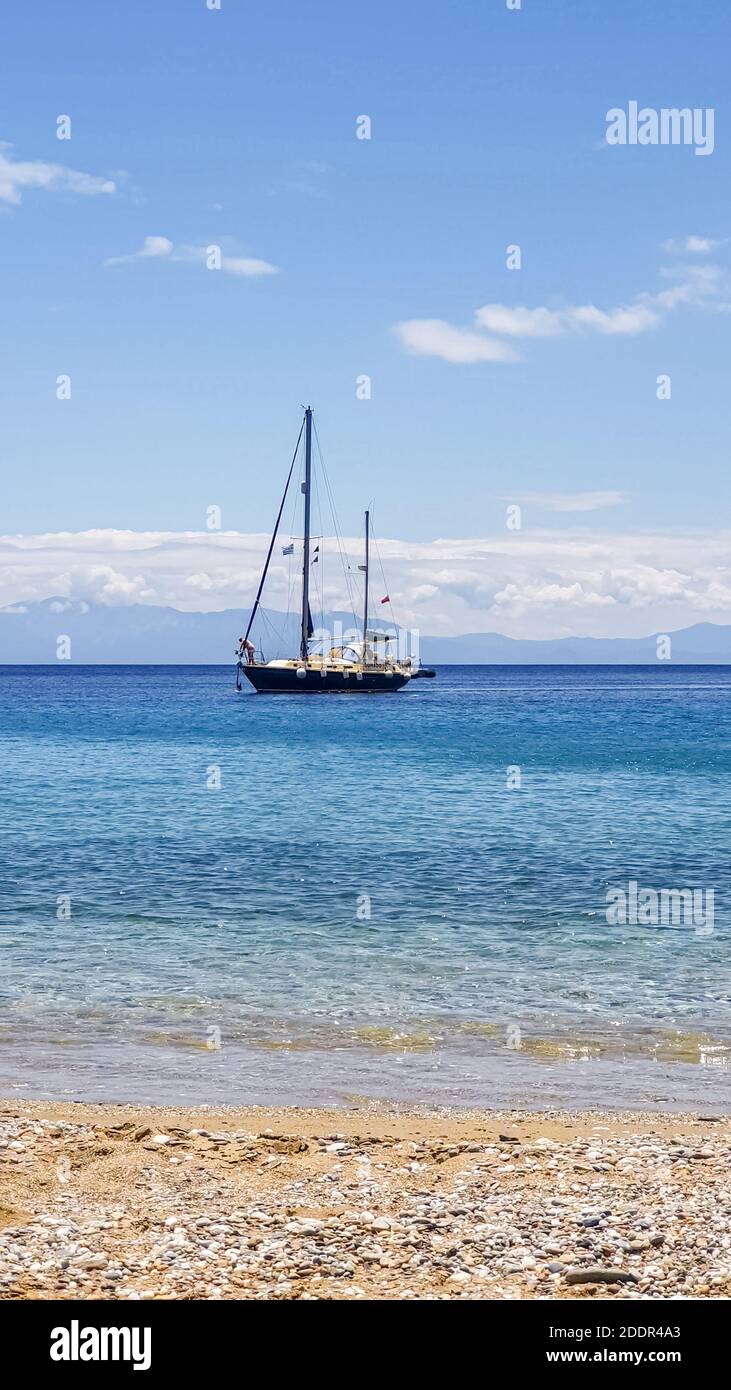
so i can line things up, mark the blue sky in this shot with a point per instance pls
(238, 127)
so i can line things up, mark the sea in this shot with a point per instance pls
(448, 896)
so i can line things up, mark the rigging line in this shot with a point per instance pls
(293, 564)
(344, 558)
(290, 589)
(276, 632)
(383, 577)
(293, 576)
(319, 579)
(274, 533)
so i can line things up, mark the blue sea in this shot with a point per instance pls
(229, 898)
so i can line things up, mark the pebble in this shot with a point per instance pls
(620, 1215)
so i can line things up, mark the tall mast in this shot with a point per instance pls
(306, 560)
(365, 600)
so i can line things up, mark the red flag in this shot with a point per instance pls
(386, 599)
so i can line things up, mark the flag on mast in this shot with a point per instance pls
(288, 549)
(386, 599)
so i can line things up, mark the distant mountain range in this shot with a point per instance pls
(139, 633)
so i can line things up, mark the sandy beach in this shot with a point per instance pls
(122, 1202)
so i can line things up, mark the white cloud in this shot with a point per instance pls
(693, 245)
(435, 338)
(695, 286)
(422, 591)
(548, 323)
(573, 595)
(520, 322)
(154, 247)
(18, 176)
(629, 318)
(531, 583)
(161, 248)
(247, 266)
(568, 502)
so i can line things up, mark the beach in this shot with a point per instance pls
(370, 1202)
(411, 1054)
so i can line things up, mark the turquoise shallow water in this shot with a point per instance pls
(486, 971)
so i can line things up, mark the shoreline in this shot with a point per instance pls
(469, 1071)
(376, 1201)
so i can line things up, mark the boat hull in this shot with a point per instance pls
(279, 680)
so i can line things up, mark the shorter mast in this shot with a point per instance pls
(365, 600)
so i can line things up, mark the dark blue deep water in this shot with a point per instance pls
(364, 906)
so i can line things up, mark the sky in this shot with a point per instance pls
(490, 385)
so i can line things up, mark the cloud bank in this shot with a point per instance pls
(529, 583)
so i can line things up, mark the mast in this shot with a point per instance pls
(306, 560)
(365, 600)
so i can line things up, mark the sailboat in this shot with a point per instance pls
(366, 665)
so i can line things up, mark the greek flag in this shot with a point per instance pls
(288, 549)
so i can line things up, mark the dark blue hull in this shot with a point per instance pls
(281, 680)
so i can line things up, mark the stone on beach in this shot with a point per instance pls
(122, 1202)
